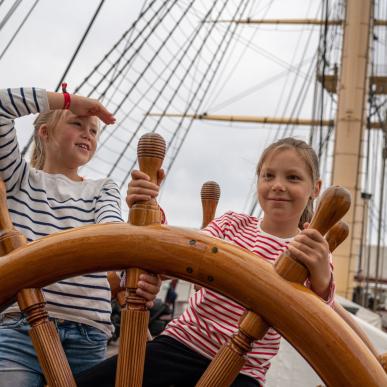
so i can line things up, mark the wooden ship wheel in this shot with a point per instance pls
(273, 295)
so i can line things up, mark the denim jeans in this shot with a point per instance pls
(85, 346)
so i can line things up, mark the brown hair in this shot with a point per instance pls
(307, 153)
(50, 119)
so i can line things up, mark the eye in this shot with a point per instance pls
(267, 175)
(93, 131)
(76, 123)
(294, 177)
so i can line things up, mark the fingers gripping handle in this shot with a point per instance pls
(334, 204)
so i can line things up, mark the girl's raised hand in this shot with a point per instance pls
(310, 248)
(141, 188)
(81, 106)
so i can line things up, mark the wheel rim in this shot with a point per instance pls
(297, 314)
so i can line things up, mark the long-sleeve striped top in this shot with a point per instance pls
(41, 204)
(211, 319)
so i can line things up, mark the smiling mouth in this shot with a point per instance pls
(83, 146)
(279, 200)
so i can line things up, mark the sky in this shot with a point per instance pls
(225, 153)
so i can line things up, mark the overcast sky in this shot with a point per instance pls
(226, 153)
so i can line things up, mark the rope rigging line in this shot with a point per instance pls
(79, 45)
(216, 93)
(143, 95)
(118, 84)
(188, 106)
(253, 199)
(319, 102)
(125, 34)
(182, 56)
(324, 63)
(18, 29)
(157, 24)
(299, 100)
(227, 45)
(194, 96)
(9, 13)
(150, 62)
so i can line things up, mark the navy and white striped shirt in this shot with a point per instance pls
(40, 204)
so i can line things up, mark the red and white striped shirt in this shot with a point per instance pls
(211, 319)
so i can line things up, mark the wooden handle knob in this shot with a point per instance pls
(5, 219)
(210, 191)
(334, 204)
(151, 153)
(210, 194)
(336, 235)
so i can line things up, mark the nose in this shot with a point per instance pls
(278, 185)
(86, 133)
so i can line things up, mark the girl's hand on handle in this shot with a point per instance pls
(141, 188)
(148, 288)
(81, 106)
(310, 248)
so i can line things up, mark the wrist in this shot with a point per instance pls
(320, 284)
(66, 97)
(55, 100)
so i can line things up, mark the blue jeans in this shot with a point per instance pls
(85, 346)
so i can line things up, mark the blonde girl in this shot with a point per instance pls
(47, 196)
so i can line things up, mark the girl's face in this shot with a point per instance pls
(72, 143)
(284, 186)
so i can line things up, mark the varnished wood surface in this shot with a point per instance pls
(134, 315)
(210, 194)
(334, 350)
(335, 236)
(31, 301)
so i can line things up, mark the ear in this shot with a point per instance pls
(316, 189)
(43, 132)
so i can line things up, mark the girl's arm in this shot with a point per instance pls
(310, 248)
(16, 103)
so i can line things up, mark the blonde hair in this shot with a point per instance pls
(50, 119)
(307, 153)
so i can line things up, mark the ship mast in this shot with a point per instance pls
(348, 150)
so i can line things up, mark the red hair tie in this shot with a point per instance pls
(66, 96)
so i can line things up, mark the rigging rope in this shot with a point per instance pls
(182, 56)
(9, 13)
(205, 92)
(18, 29)
(125, 34)
(137, 50)
(80, 45)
